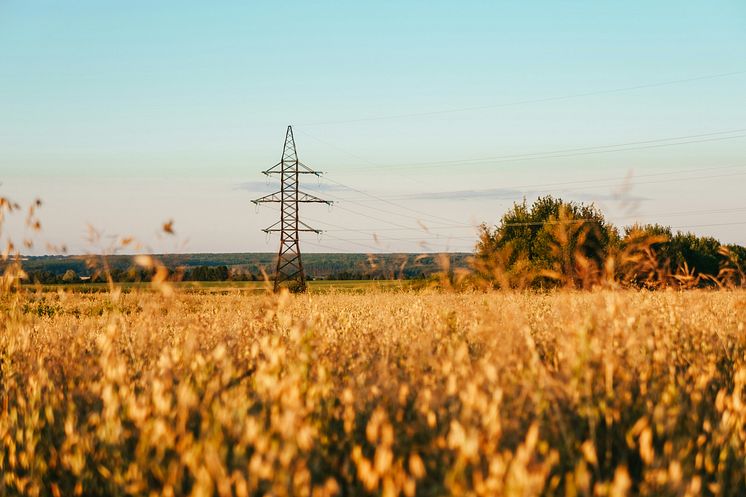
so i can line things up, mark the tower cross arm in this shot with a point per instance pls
(307, 197)
(272, 197)
(301, 227)
(302, 169)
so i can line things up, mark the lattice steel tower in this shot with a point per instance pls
(289, 270)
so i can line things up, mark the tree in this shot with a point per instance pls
(681, 255)
(207, 273)
(550, 241)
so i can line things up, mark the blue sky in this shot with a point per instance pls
(123, 115)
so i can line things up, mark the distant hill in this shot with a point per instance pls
(317, 266)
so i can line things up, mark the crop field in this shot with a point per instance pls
(386, 392)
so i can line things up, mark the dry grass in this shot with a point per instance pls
(433, 393)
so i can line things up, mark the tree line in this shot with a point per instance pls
(554, 242)
(79, 269)
(136, 274)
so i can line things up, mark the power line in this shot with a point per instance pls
(706, 225)
(370, 217)
(474, 227)
(397, 213)
(531, 101)
(668, 180)
(572, 152)
(333, 249)
(362, 214)
(603, 180)
(457, 225)
(424, 241)
(428, 240)
(686, 213)
(590, 149)
(583, 221)
(397, 205)
(462, 226)
(296, 268)
(428, 244)
(372, 233)
(373, 163)
(356, 243)
(590, 182)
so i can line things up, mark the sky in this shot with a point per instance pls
(427, 118)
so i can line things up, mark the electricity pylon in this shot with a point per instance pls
(289, 270)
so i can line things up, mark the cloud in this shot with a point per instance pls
(476, 194)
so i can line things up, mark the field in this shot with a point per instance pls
(381, 393)
(253, 287)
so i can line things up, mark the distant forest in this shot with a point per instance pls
(55, 269)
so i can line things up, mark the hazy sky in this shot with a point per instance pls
(428, 117)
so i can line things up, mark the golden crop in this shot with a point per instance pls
(390, 393)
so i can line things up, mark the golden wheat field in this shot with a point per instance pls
(383, 393)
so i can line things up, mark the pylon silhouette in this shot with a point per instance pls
(289, 270)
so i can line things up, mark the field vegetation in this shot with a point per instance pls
(385, 393)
